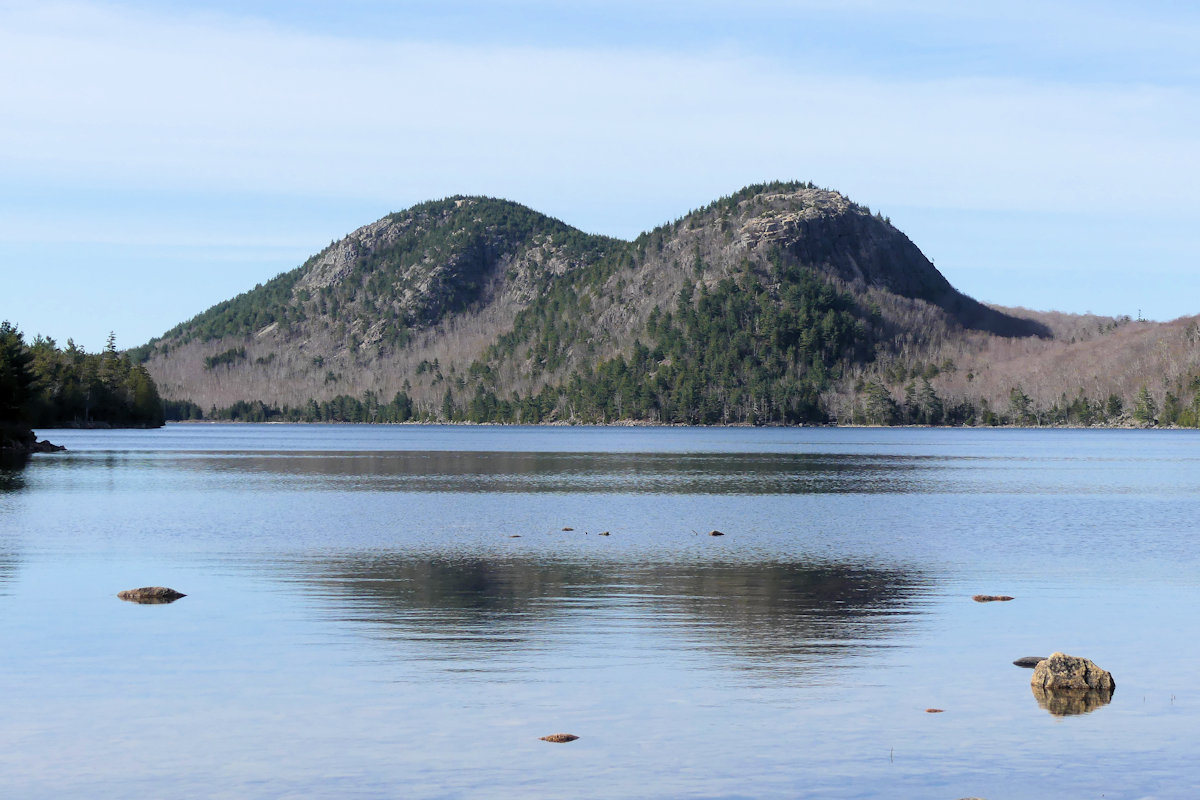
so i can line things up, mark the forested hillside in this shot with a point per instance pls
(782, 303)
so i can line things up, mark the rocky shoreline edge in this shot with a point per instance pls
(20, 441)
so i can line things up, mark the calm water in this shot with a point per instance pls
(397, 612)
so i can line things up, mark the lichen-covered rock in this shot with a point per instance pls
(151, 595)
(560, 738)
(1064, 673)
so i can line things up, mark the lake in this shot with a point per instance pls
(397, 611)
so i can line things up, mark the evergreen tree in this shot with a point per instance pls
(1144, 407)
(17, 379)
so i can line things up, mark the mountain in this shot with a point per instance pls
(783, 303)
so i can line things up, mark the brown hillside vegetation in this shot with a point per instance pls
(780, 303)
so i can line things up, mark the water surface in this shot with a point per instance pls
(397, 611)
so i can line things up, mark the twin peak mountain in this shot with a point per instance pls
(764, 306)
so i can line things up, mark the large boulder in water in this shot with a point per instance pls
(1063, 673)
(1065, 685)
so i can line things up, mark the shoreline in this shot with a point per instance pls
(645, 424)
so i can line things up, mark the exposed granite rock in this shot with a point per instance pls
(1061, 672)
(149, 595)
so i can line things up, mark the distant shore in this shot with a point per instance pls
(647, 424)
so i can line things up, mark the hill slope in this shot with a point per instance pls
(781, 303)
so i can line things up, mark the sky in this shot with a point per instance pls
(159, 157)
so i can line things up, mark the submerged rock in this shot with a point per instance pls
(560, 738)
(151, 595)
(991, 598)
(1065, 685)
(1029, 661)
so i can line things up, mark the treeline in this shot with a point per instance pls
(342, 408)
(44, 386)
(610, 396)
(920, 405)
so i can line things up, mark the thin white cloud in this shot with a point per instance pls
(117, 98)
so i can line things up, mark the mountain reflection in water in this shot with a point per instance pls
(656, 473)
(458, 609)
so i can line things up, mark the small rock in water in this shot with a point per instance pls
(991, 598)
(560, 738)
(1029, 661)
(604, 533)
(715, 533)
(935, 711)
(515, 536)
(568, 529)
(151, 595)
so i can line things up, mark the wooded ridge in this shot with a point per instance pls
(783, 303)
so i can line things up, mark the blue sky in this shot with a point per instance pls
(156, 157)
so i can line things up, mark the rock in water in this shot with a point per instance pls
(560, 738)
(1029, 661)
(991, 598)
(151, 594)
(1062, 672)
(1066, 685)
(715, 533)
